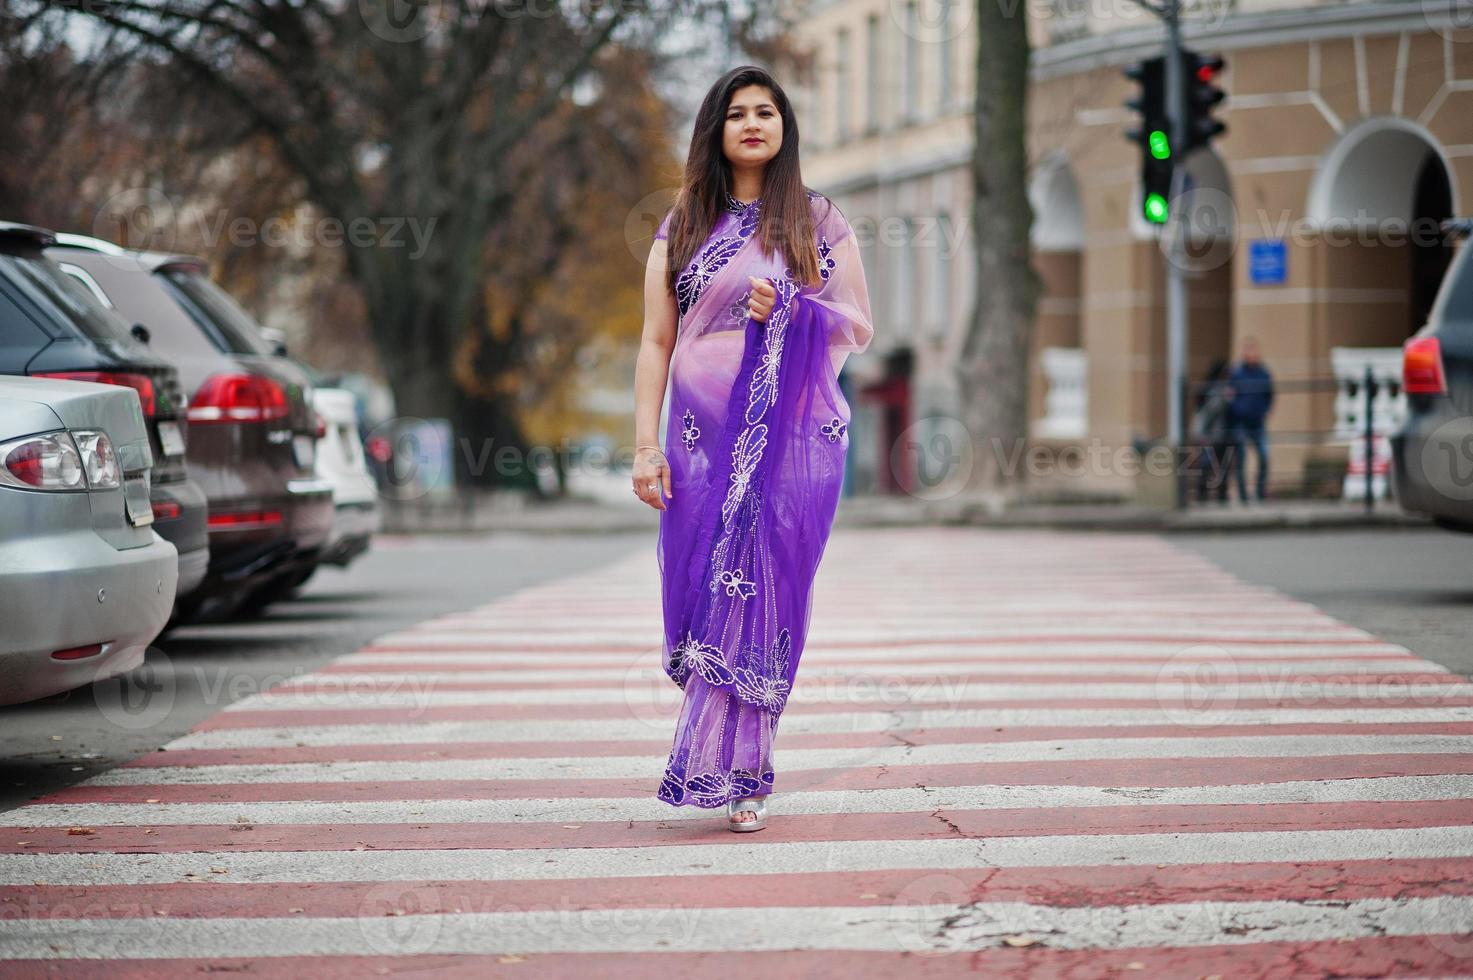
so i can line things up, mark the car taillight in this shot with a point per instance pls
(79, 653)
(321, 425)
(243, 519)
(47, 462)
(140, 383)
(98, 459)
(238, 398)
(166, 510)
(1421, 367)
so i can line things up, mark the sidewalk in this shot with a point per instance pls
(601, 513)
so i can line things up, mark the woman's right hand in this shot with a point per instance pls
(651, 467)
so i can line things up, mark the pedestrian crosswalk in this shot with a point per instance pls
(1008, 751)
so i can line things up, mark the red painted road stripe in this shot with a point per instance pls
(657, 744)
(1241, 674)
(1391, 956)
(1098, 772)
(641, 707)
(1073, 887)
(868, 828)
(353, 664)
(608, 646)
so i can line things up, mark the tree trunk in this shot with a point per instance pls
(993, 368)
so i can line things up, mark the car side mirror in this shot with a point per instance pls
(140, 333)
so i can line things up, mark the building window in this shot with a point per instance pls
(905, 299)
(941, 264)
(872, 76)
(842, 87)
(911, 68)
(946, 67)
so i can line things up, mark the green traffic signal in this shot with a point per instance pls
(1155, 209)
(1160, 145)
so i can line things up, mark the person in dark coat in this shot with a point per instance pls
(1251, 398)
(1210, 431)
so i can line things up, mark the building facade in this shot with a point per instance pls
(1312, 220)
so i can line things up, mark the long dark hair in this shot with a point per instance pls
(786, 221)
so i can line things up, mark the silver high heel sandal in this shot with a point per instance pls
(757, 807)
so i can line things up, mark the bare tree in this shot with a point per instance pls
(993, 368)
(431, 116)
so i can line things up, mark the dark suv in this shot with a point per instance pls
(52, 327)
(1432, 453)
(253, 432)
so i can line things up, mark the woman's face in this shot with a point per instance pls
(754, 130)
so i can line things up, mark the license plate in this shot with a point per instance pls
(135, 495)
(304, 450)
(171, 439)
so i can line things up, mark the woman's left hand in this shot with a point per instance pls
(764, 294)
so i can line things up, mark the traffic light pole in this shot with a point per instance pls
(1177, 324)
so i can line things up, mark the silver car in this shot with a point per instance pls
(85, 583)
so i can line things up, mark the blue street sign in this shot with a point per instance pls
(1267, 262)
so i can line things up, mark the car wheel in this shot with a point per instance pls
(298, 579)
(275, 590)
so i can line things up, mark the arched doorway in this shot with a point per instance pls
(1206, 240)
(1375, 204)
(1058, 393)
(1376, 201)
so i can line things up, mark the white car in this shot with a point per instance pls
(340, 462)
(85, 582)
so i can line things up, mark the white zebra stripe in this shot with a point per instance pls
(938, 928)
(658, 728)
(584, 810)
(703, 859)
(795, 760)
(417, 694)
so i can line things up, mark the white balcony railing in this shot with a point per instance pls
(1066, 395)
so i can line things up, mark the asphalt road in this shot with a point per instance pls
(1412, 586)
(1407, 585)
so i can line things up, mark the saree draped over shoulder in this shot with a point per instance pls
(756, 439)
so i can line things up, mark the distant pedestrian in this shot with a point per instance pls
(1252, 396)
(1210, 431)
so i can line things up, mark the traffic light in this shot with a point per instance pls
(1202, 96)
(1152, 133)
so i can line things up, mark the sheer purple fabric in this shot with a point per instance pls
(756, 439)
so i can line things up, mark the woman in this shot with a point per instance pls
(754, 298)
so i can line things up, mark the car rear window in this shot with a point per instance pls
(229, 327)
(62, 298)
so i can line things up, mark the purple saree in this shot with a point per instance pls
(756, 440)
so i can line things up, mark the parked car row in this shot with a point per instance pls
(243, 470)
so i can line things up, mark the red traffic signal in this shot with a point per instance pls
(1202, 97)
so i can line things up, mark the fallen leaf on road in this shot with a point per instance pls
(219, 871)
(511, 959)
(572, 826)
(1020, 940)
(80, 831)
(296, 910)
(152, 799)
